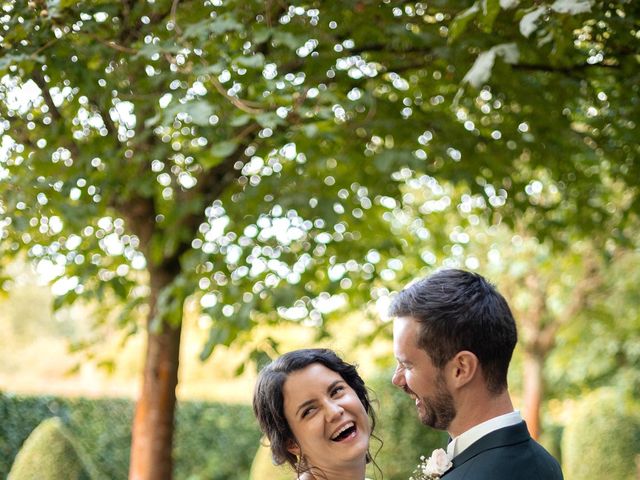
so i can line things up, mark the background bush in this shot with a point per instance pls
(602, 440)
(205, 434)
(264, 469)
(50, 453)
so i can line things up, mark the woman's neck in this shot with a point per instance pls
(354, 473)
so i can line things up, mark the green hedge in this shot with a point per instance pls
(212, 441)
(51, 453)
(602, 440)
(264, 469)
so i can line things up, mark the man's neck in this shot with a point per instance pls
(476, 409)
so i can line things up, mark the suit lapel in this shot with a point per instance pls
(499, 438)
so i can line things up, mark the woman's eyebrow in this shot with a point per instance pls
(309, 402)
(304, 404)
(333, 384)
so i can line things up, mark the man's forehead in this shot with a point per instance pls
(405, 327)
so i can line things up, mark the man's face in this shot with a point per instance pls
(419, 378)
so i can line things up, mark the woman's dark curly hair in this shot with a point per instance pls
(268, 399)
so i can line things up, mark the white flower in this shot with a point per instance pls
(433, 467)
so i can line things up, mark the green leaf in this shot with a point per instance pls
(200, 111)
(252, 61)
(220, 334)
(25, 61)
(261, 34)
(269, 120)
(490, 10)
(310, 130)
(226, 23)
(288, 39)
(260, 358)
(224, 149)
(203, 29)
(200, 29)
(461, 21)
(215, 68)
(240, 120)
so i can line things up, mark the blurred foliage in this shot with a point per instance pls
(258, 155)
(601, 347)
(256, 165)
(263, 468)
(49, 453)
(205, 434)
(602, 439)
(551, 438)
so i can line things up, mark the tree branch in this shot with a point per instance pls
(112, 44)
(242, 105)
(44, 47)
(40, 81)
(566, 70)
(133, 32)
(174, 9)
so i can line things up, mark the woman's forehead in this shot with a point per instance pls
(311, 379)
(313, 373)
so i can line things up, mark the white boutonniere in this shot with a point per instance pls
(433, 467)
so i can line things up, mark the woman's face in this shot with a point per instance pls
(328, 421)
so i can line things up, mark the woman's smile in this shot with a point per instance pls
(327, 418)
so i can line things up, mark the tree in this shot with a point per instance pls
(248, 152)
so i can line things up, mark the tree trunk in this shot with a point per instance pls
(533, 390)
(152, 435)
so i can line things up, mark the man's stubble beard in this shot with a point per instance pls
(438, 411)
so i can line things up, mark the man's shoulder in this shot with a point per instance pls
(523, 461)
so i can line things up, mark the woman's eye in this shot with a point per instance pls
(337, 390)
(306, 411)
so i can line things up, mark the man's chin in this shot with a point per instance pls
(430, 420)
(424, 417)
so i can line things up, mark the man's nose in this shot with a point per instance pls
(398, 377)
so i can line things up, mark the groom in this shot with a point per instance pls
(453, 336)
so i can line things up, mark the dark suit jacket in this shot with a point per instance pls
(505, 454)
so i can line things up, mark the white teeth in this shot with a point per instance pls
(348, 425)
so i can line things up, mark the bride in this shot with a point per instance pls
(315, 411)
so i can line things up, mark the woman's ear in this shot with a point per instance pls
(293, 447)
(463, 368)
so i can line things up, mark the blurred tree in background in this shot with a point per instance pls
(258, 155)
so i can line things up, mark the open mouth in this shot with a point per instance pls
(345, 432)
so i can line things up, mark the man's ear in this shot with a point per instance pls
(293, 447)
(463, 368)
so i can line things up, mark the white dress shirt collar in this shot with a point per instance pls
(464, 440)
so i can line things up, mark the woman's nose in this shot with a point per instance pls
(334, 410)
